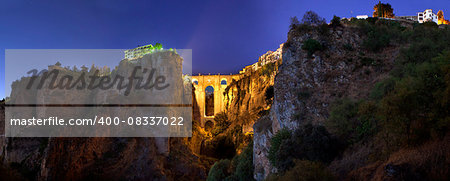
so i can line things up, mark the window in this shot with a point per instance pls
(223, 82)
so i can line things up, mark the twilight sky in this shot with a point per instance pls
(224, 35)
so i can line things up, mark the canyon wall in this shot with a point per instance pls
(101, 157)
(245, 99)
(306, 84)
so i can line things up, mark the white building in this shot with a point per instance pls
(426, 16)
(362, 17)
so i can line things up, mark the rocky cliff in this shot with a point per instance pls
(101, 157)
(307, 83)
(246, 98)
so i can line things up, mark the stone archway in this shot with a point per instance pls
(209, 101)
(200, 83)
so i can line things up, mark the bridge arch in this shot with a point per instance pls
(195, 82)
(209, 101)
(215, 81)
(223, 82)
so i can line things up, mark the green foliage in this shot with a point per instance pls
(323, 30)
(383, 10)
(380, 33)
(367, 61)
(367, 125)
(312, 18)
(343, 118)
(268, 69)
(275, 143)
(294, 23)
(335, 22)
(308, 142)
(158, 46)
(430, 24)
(411, 110)
(221, 146)
(311, 46)
(219, 171)
(376, 40)
(244, 164)
(222, 123)
(305, 170)
(382, 88)
(239, 168)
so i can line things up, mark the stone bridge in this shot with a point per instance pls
(218, 83)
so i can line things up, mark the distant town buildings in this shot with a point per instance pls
(427, 16)
(267, 58)
(362, 17)
(421, 17)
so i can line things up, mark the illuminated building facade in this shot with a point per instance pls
(427, 16)
(141, 51)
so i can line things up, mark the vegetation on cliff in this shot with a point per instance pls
(405, 111)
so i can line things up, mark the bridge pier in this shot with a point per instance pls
(219, 84)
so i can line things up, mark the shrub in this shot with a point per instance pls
(367, 121)
(343, 118)
(367, 61)
(430, 24)
(222, 123)
(376, 40)
(219, 171)
(312, 18)
(382, 88)
(275, 143)
(221, 147)
(305, 170)
(336, 21)
(294, 23)
(244, 164)
(414, 106)
(240, 168)
(311, 46)
(268, 69)
(307, 142)
(323, 30)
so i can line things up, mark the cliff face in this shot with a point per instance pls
(100, 157)
(306, 84)
(246, 97)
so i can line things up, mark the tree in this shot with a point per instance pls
(383, 10)
(440, 15)
(219, 171)
(312, 18)
(336, 21)
(158, 46)
(58, 64)
(294, 22)
(441, 19)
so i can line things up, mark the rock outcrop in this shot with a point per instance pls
(306, 84)
(104, 158)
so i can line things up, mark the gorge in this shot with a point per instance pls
(349, 100)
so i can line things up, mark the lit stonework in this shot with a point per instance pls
(141, 51)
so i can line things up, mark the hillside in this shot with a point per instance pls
(358, 100)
